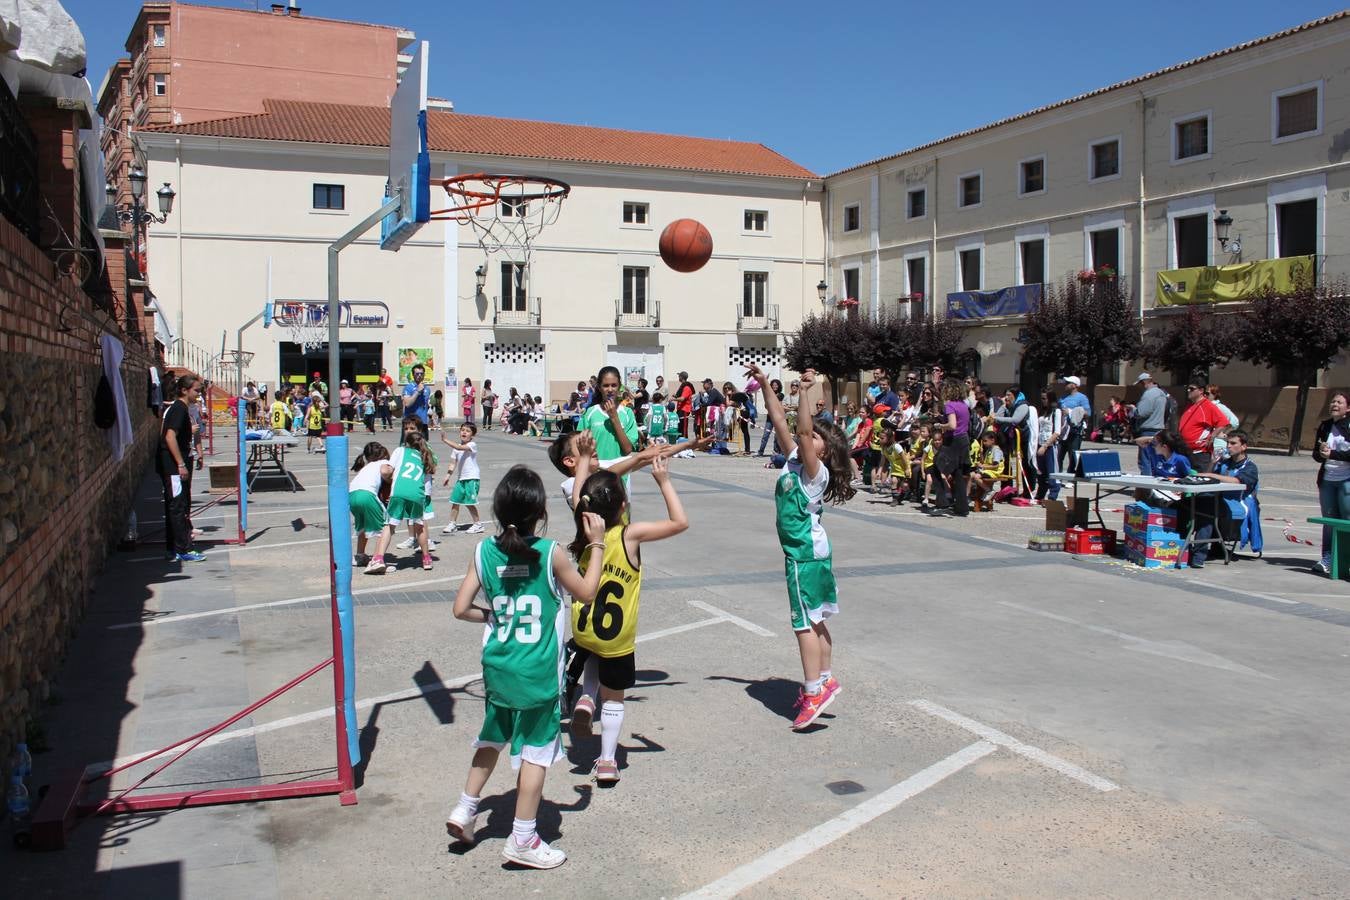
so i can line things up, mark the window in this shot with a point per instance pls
(756, 287)
(330, 196)
(756, 220)
(850, 284)
(635, 214)
(916, 275)
(1297, 112)
(1105, 246)
(970, 268)
(635, 290)
(1190, 137)
(969, 188)
(1032, 176)
(851, 217)
(916, 205)
(1033, 260)
(161, 85)
(1192, 240)
(157, 35)
(514, 208)
(1104, 161)
(513, 287)
(1297, 224)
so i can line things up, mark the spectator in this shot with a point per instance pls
(1197, 426)
(713, 401)
(386, 379)
(1115, 422)
(823, 415)
(251, 396)
(953, 460)
(1226, 510)
(1078, 410)
(318, 384)
(885, 395)
(173, 465)
(347, 404)
(684, 404)
(417, 400)
(1172, 459)
(1020, 427)
(660, 385)
(1332, 449)
(750, 409)
(1212, 392)
(777, 387)
(1051, 426)
(791, 403)
(365, 405)
(467, 394)
(990, 471)
(1150, 417)
(383, 396)
(935, 378)
(487, 398)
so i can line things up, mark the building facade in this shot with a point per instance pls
(1130, 177)
(268, 193)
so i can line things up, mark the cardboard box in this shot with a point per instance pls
(1059, 517)
(1142, 515)
(1152, 534)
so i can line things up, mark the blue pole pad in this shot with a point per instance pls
(243, 471)
(340, 542)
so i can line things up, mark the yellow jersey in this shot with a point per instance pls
(608, 626)
(899, 460)
(314, 418)
(281, 416)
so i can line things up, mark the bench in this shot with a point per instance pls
(1340, 545)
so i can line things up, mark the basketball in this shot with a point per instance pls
(686, 245)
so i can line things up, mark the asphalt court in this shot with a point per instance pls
(990, 697)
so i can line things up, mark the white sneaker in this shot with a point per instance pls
(406, 544)
(538, 855)
(477, 528)
(460, 825)
(377, 566)
(450, 529)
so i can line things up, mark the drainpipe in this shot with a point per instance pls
(178, 176)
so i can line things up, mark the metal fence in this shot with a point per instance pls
(20, 201)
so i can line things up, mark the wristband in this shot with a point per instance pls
(595, 544)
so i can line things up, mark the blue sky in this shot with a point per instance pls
(827, 86)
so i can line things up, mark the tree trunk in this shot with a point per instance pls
(1300, 408)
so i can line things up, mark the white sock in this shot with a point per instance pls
(590, 677)
(522, 832)
(813, 687)
(470, 803)
(611, 723)
(825, 676)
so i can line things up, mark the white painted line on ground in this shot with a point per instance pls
(1178, 650)
(226, 610)
(805, 844)
(214, 551)
(735, 620)
(1284, 600)
(405, 694)
(1007, 741)
(253, 512)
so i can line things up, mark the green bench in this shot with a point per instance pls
(1340, 545)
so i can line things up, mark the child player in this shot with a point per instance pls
(465, 463)
(817, 470)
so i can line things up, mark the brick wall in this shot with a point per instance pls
(64, 501)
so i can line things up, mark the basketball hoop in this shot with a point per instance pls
(304, 321)
(507, 212)
(236, 358)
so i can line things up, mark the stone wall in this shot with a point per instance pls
(64, 500)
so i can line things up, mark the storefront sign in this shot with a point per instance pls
(352, 313)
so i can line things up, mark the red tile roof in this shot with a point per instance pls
(368, 126)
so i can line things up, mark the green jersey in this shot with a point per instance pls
(408, 475)
(656, 421)
(606, 438)
(672, 427)
(522, 645)
(798, 504)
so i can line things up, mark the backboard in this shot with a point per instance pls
(409, 160)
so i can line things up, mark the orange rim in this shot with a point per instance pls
(469, 199)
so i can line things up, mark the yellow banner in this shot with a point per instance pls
(1226, 284)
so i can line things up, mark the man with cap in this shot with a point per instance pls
(318, 384)
(1078, 408)
(1150, 417)
(347, 403)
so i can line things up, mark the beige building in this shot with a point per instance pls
(1131, 176)
(267, 193)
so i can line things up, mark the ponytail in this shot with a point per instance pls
(519, 504)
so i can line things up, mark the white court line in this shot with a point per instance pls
(225, 611)
(213, 551)
(735, 620)
(1035, 754)
(1284, 600)
(405, 694)
(804, 845)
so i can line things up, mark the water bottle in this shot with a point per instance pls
(23, 762)
(20, 813)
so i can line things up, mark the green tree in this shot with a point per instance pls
(1081, 327)
(1298, 333)
(1189, 346)
(836, 346)
(891, 344)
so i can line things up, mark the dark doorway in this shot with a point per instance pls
(359, 362)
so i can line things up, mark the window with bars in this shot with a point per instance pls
(635, 214)
(330, 196)
(635, 290)
(513, 208)
(1106, 159)
(970, 189)
(1297, 113)
(756, 220)
(756, 289)
(1192, 138)
(513, 287)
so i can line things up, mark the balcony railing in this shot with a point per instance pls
(19, 198)
(766, 322)
(649, 319)
(529, 316)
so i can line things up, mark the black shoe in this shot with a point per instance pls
(1197, 563)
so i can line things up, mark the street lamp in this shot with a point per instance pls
(479, 279)
(822, 289)
(138, 216)
(1223, 223)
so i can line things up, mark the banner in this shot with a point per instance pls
(1227, 284)
(1010, 301)
(411, 356)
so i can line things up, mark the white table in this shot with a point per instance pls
(1123, 484)
(267, 459)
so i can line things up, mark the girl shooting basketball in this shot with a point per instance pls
(817, 470)
(605, 632)
(522, 579)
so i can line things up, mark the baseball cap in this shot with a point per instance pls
(1073, 380)
(1143, 376)
(345, 381)
(881, 408)
(316, 374)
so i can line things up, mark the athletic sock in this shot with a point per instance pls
(470, 804)
(813, 687)
(590, 678)
(611, 723)
(825, 675)
(522, 832)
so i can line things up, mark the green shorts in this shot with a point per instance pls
(812, 596)
(368, 512)
(403, 510)
(427, 511)
(533, 735)
(465, 492)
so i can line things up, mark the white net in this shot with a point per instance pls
(305, 322)
(506, 212)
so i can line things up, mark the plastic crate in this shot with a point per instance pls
(1090, 541)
